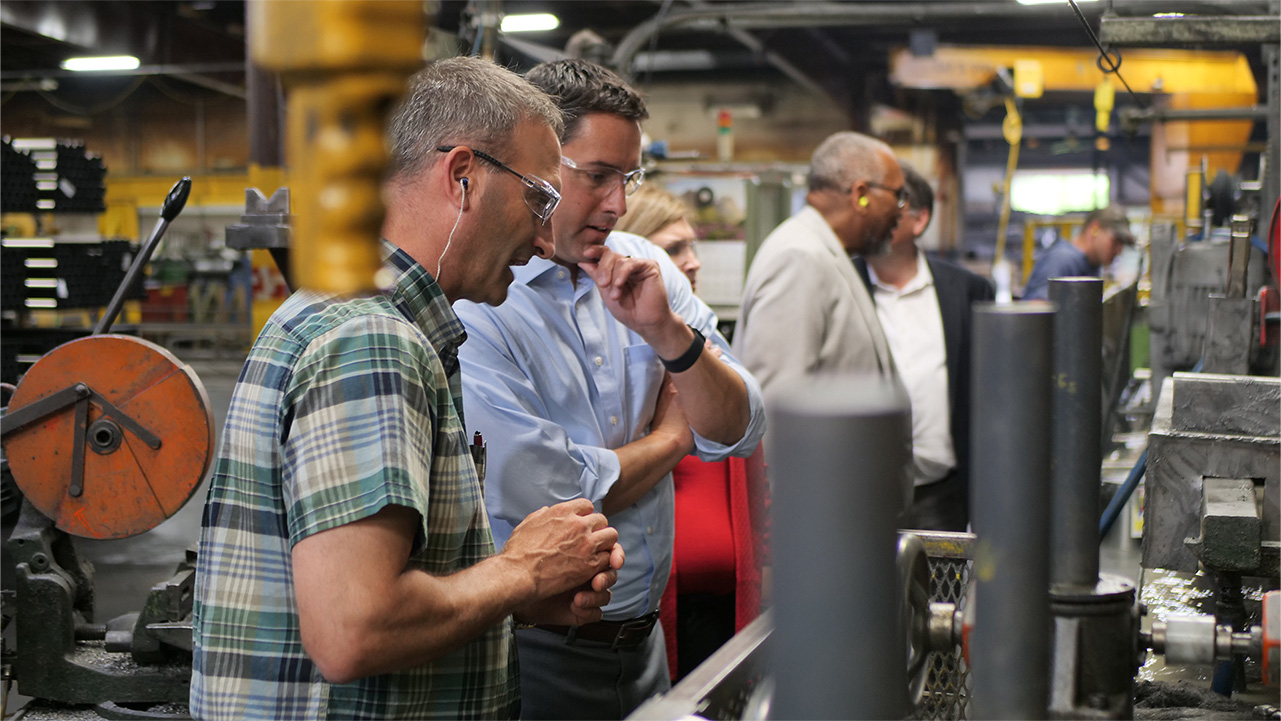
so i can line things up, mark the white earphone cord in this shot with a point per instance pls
(441, 259)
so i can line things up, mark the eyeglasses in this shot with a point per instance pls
(603, 180)
(544, 199)
(681, 246)
(900, 193)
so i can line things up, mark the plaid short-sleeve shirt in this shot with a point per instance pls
(343, 407)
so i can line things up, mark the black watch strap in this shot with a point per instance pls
(689, 357)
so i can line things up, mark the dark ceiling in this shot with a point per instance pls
(840, 48)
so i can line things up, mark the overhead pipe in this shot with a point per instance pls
(763, 15)
(745, 38)
(1010, 500)
(837, 450)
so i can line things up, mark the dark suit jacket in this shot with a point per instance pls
(957, 289)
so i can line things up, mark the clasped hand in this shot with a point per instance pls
(573, 557)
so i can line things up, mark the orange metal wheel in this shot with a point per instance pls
(138, 394)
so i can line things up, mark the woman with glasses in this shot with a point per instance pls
(721, 508)
(662, 217)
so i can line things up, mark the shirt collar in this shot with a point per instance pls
(810, 217)
(538, 267)
(1068, 244)
(421, 298)
(923, 279)
(535, 268)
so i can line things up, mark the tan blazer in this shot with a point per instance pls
(805, 309)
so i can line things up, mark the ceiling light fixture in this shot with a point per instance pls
(1047, 2)
(97, 64)
(528, 23)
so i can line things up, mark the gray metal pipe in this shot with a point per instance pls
(1201, 31)
(774, 15)
(1165, 115)
(1009, 501)
(1077, 429)
(837, 450)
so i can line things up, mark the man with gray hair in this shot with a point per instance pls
(805, 310)
(347, 567)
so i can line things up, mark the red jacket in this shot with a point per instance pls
(749, 523)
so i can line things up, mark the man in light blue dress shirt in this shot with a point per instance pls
(592, 381)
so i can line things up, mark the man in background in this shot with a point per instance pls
(1104, 234)
(805, 310)
(924, 307)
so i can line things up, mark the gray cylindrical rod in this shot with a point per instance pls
(837, 448)
(1077, 457)
(1009, 498)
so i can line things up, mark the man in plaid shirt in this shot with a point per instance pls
(347, 569)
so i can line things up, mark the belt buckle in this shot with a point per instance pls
(629, 625)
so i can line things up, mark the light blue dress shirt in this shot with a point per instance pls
(553, 382)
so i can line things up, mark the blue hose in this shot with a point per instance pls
(1122, 495)
(1131, 482)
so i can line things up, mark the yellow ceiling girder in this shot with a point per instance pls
(1147, 71)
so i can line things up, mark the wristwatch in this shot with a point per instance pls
(687, 359)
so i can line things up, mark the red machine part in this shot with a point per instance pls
(1270, 295)
(1272, 639)
(134, 390)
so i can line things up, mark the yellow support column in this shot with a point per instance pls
(1029, 247)
(344, 65)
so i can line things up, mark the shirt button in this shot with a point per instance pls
(613, 420)
(598, 360)
(649, 530)
(560, 274)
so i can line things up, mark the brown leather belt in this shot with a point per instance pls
(619, 635)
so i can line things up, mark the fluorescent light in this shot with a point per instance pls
(530, 22)
(1047, 2)
(105, 62)
(35, 144)
(1167, 15)
(27, 242)
(41, 282)
(42, 303)
(1045, 192)
(41, 262)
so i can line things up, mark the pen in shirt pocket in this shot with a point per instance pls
(478, 454)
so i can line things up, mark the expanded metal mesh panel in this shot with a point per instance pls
(947, 688)
(733, 683)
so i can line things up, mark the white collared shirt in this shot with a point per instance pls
(914, 327)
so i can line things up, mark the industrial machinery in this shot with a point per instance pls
(107, 436)
(1040, 631)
